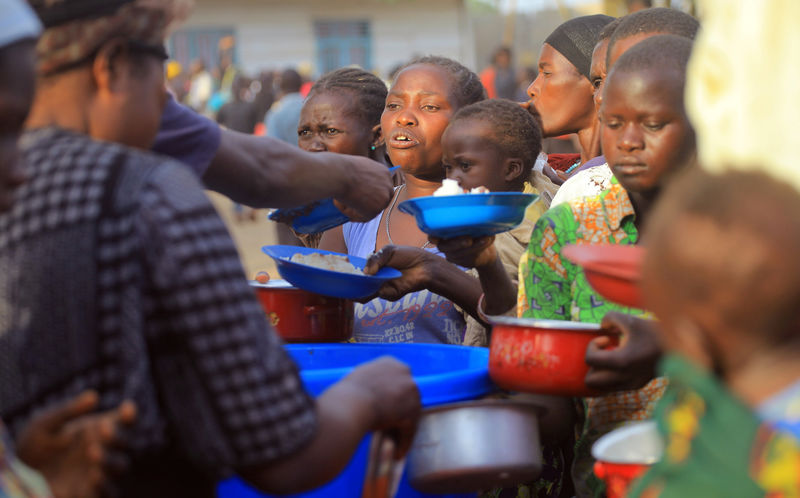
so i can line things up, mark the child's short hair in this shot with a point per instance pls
(515, 131)
(657, 52)
(467, 86)
(369, 90)
(608, 30)
(657, 20)
(730, 241)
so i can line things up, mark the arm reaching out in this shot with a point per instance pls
(264, 172)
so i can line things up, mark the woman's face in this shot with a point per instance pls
(561, 94)
(328, 123)
(597, 72)
(418, 109)
(129, 104)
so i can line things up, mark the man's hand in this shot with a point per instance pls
(417, 266)
(368, 191)
(466, 251)
(394, 398)
(632, 364)
(74, 449)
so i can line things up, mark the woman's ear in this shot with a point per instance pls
(107, 65)
(377, 136)
(513, 169)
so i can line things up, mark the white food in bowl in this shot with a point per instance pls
(451, 187)
(332, 262)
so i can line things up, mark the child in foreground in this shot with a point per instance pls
(724, 280)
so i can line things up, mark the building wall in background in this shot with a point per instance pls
(273, 34)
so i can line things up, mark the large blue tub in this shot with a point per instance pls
(444, 374)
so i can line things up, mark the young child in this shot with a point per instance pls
(419, 106)
(646, 137)
(494, 144)
(724, 281)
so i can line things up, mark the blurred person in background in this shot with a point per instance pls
(499, 78)
(281, 122)
(240, 114)
(264, 96)
(284, 114)
(201, 86)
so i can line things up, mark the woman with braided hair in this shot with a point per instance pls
(342, 114)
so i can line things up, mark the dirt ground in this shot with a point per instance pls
(249, 235)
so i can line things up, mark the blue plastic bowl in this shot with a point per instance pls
(323, 215)
(475, 215)
(444, 374)
(327, 282)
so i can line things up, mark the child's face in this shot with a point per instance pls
(561, 95)
(327, 123)
(645, 131)
(471, 158)
(16, 97)
(418, 109)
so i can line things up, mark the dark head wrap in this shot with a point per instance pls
(576, 38)
(76, 29)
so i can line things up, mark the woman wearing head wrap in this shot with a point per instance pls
(119, 276)
(562, 92)
(63, 443)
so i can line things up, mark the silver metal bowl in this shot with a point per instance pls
(476, 445)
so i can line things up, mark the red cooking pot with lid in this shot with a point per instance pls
(302, 316)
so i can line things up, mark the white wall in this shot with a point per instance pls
(276, 34)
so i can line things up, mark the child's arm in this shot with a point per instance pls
(499, 291)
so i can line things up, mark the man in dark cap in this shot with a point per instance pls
(119, 276)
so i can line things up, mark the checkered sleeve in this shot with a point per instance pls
(231, 393)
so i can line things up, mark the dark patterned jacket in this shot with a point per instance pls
(118, 275)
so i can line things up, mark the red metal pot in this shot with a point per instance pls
(541, 356)
(302, 316)
(625, 454)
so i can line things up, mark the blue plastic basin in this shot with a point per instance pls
(444, 374)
